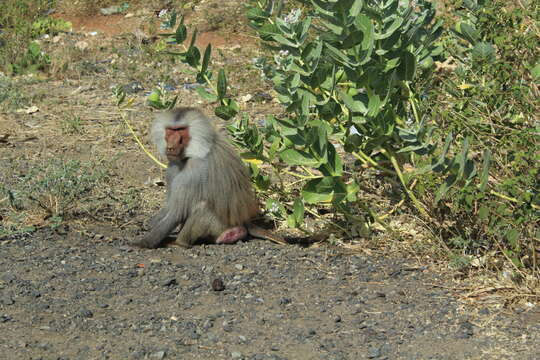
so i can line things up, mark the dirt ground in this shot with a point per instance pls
(75, 295)
(79, 291)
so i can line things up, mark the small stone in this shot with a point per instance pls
(85, 313)
(42, 306)
(169, 282)
(236, 355)
(466, 330)
(373, 352)
(158, 355)
(42, 346)
(7, 300)
(208, 324)
(284, 301)
(81, 45)
(239, 267)
(9, 277)
(246, 98)
(217, 285)
(484, 311)
(227, 326)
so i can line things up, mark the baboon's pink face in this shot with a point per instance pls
(177, 138)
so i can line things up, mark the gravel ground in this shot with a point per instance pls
(73, 296)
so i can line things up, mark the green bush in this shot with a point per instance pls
(22, 21)
(345, 71)
(59, 188)
(492, 96)
(348, 73)
(358, 84)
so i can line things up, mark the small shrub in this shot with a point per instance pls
(17, 30)
(492, 97)
(60, 189)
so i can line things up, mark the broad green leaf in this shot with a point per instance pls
(205, 94)
(231, 103)
(284, 27)
(324, 190)
(305, 103)
(334, 164)
(297, 69)
(354, 38)
(256, 13)
(267, 31)
(319, 141)
(473, 5)
(294, 139)
(225, 112)
(329, 111)
(193, 56)
(352, 104)
(286, 128)
(320, 6)
(193, 38)
(181, 33)
(443, 189)
(463, 157)
(365, 25)
(467, 32)
(336, 29)
(414, 148)
(154, 96)
(485, 170)
(340, 190)
(298, 211)
(320, 190)
(312, 52)
(374, 105)
(408, 135)
(512, 236)
(442, 157)
(535, 72)
(291, 221)
(352, 189)
(303, 28)
(284, 41)
(483, 51)
(483, 213)
(295, 81)
(298, 157)
(221, 84)
(407, 67)
(206, 58)
(340, 57)
(389, 30)
(469, 172)
(354, 140)
(356, 7)
(34, 49)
